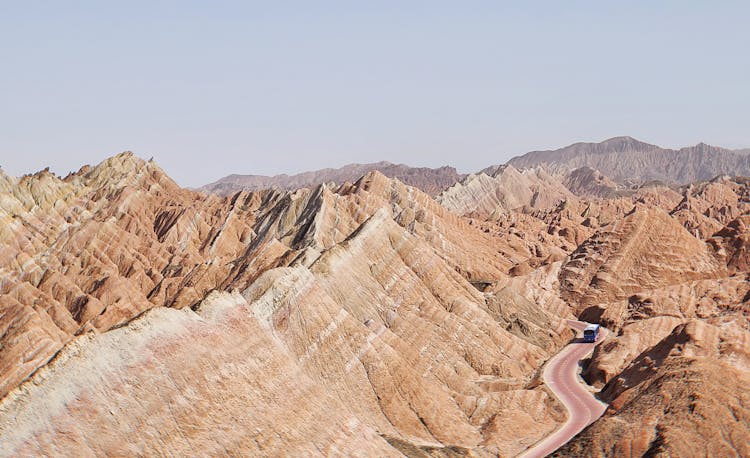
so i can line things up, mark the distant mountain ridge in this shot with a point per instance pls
(431, 181)
(627, 159)
(622, 159)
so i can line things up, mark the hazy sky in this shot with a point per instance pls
(212, 88)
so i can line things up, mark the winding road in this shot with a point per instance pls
(560, 375)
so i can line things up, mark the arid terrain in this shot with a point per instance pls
(362, 314)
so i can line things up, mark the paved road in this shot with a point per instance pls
(560, 375)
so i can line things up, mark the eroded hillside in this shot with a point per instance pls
(673, 286)
(367, 318)
(665, 269)
(364, 298)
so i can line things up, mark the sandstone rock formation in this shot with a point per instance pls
(502, 190)
(666, 270)
(676, 297)
(158, 386)
(644, 250)
(587, 182)
(360, 321)
(685, 396)
(93, 250)
(431, 181)
(368, 318)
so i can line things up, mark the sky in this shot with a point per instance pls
(213, 88)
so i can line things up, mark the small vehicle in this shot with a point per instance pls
(591, 333)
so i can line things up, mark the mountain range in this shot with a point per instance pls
(431, 181)
(624, 160)
(362, 316)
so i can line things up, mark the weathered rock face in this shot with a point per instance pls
(431, 181)
(97, 248)
(158, 386)
(360, 328)
(645, 262)
(587, 182)
(679, 353)
(647, 249)
(685, 396)
(366, 318)
(504, 189)
(383, 311)
(646, 318)
(666, 270)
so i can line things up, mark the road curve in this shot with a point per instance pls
(560, 375)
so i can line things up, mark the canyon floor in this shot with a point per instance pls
(369, 317)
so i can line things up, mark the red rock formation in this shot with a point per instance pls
(359, 301)
(366, 318)
(680, 354)
(504, 189)
(685, 396)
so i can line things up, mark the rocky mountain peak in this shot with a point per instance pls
(624, 143)
(126, 169)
